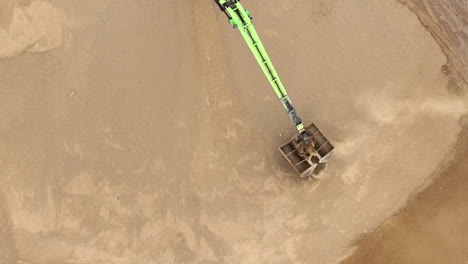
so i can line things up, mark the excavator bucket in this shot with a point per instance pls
(306, 154)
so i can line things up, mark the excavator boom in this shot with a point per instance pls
(309, 147)
(240, 18)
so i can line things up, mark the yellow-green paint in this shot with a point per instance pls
(240, 18)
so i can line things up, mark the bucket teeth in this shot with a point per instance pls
(305, 155)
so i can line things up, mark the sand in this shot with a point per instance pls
(431, 228)
(149, 134)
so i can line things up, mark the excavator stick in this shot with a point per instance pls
(309, 147)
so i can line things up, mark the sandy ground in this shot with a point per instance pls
(144, 132)
(446, 20)
(432, 228)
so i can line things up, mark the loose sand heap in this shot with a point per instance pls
(150, 136)
(36, 28)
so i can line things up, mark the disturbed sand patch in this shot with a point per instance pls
(36, 27)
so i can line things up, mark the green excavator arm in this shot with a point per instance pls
(309, 148)
(241, 19)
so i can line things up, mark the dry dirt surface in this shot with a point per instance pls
(432, 229)
(447, 21)
(144, 132)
